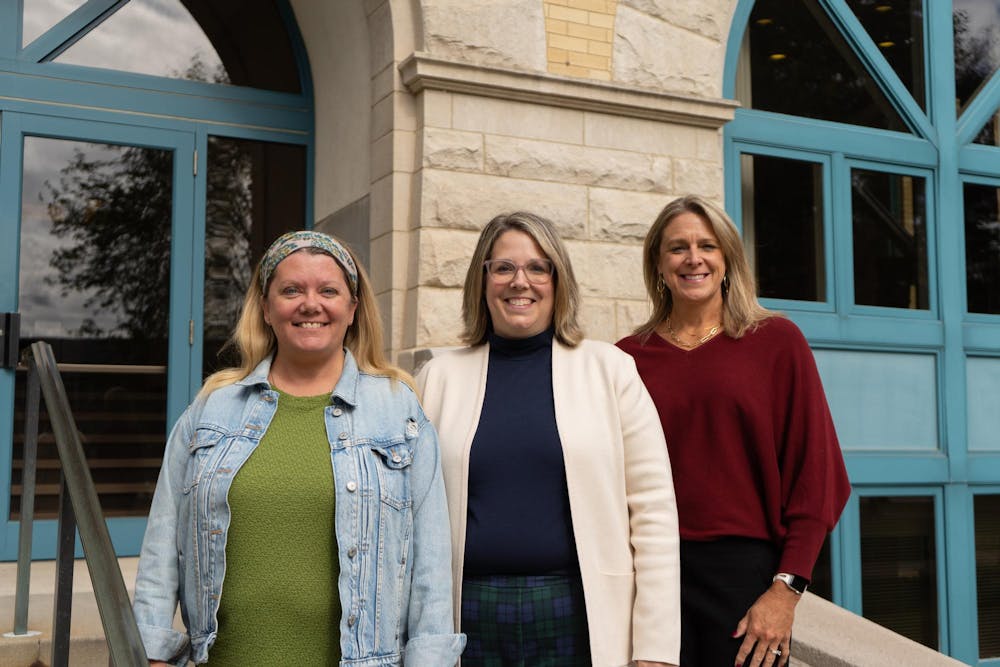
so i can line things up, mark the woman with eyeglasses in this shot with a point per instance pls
(564, 526)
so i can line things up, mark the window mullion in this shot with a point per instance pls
(67, 32)
(878, 67)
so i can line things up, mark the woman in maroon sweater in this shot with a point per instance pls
(758, 471)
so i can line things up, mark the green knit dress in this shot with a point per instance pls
(280, 604)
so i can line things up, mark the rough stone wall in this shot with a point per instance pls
(600, 178)
(599, 174)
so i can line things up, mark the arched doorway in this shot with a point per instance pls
(149, 150)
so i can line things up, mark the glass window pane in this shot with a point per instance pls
(157, 37)
(897, 28)
(783, 226)
(899, 565)
(977, 45)
(982, 248)
(800, 64)
(256, 192)
(987, 517)
(94, 283)
(40, 15)
(244, 43)
(890, 239)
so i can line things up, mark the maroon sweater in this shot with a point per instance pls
(752, 445)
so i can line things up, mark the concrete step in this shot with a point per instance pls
(88, 647)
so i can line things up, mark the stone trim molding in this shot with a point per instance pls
(421, 71)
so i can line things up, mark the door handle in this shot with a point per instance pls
(10, 338)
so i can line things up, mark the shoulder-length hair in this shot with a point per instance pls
(254, 340)
(741, 311)
(475, 314)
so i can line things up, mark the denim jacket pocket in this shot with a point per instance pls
(395, 457)
(201, 448)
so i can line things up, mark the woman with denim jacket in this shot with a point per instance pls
(307, 481)
(564, 527)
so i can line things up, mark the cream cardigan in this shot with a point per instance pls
(621, 492)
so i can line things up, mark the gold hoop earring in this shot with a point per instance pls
(660, 285)
(725, 285)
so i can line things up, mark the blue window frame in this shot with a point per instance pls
(42, 97)
(937, 145)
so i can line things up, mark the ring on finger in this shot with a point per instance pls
(776, 651)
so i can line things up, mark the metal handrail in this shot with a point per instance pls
(80, 509)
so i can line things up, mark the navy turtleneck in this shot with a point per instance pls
(518, 514)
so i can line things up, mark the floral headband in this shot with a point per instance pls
(292, 241)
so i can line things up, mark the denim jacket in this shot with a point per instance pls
(391, 522)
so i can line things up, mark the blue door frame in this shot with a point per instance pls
(50, 99)
(126, 532)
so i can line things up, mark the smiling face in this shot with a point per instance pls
(309, 306)
(519, 308)
(691, 261)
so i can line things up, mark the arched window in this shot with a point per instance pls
(864, 170)
(149, 151)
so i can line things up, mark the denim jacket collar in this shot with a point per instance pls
(346, 389)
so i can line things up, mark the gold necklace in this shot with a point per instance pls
(688, 346)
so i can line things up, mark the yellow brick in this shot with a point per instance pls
(589, 5)
(601, 20)
(588, 32)
(564, 3)
(569, 71)
(557, 55)
(589, 61)
(568, 43)
(600, 74)
(568, 14)
(599, 48)
(612, 7)
(556, 27)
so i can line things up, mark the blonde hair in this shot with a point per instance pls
(741, 311)
(475, 314)
(255, 341)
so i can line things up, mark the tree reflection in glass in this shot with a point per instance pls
(982, 248)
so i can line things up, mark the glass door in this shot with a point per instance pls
(101, 228)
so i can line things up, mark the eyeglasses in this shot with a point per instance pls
(537, 271)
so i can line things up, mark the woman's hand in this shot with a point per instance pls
(158, 663)
(650, 663)
(768, 624)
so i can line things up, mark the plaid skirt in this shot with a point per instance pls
(521, 621)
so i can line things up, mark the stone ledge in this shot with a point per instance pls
(422, 71)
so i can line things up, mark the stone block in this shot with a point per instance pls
(708, 18)
(709, 144)
(443, 257)
(436, 108)
(549, 161)
(452, 149)
(503, 34)
(651, 53)
(597, 317)
(616, 215)
(438, 317)
(517, 119)
(462, 200)
(640, 135)
(704, 178)
(608, 270)
(629, 314)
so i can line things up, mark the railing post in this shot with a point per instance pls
(77, 488)
(62, 610)
(28, 477)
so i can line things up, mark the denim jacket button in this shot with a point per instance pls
(352, 552)
(351, 621)
(337, 412)
(343, 436)
(268, 398)
(352, 486)
(397, 458)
